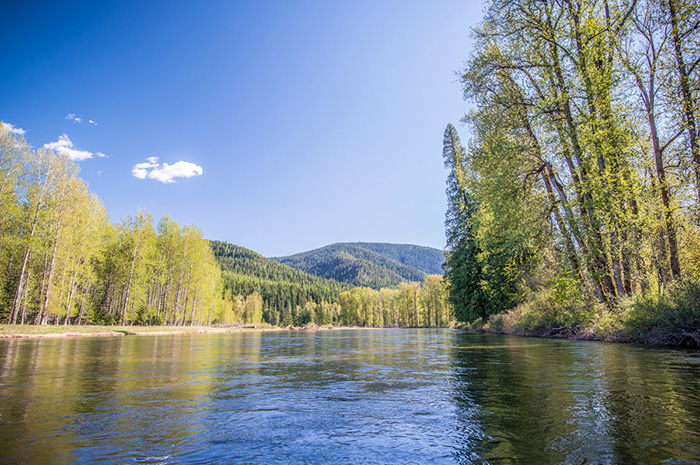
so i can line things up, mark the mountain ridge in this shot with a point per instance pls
(368, 264)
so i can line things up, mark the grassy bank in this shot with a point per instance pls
(33, 331)
(22, 331)
(670, 317)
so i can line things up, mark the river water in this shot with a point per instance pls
(346, 397)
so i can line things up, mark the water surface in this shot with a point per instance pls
(346, 397)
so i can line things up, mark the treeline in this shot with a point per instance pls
(409, 305)
(582, 180)
(286, 303)
(62, 261)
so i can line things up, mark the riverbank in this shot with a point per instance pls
(669, 318)
(689, 339)
(38, 331)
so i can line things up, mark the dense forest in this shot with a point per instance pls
(576, 203)
(408, 305)
(374, 265)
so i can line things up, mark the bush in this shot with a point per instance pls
(671, 317)
(559, 309)
(650, 314)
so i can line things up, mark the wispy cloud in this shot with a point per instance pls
(64, 146)
(12, 129)
(79, 119)
(165, 173)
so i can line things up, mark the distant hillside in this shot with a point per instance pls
(425, 259)
(374, 265)
(283, 288)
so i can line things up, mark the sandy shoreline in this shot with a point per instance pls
(33, 331)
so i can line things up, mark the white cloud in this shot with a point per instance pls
(12, 129)
(180, 169)
(92, 122)
(100, 154)
(140, 170)
(165, 173)
(64, 146)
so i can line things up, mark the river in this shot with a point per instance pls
(346, 397)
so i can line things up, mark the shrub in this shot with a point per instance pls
(675, 309)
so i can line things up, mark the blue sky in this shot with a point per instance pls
(299, 123)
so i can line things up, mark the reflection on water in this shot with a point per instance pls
(393, 396)
(576, 402)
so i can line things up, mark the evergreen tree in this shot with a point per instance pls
(462, 268)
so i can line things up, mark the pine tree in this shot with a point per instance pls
(462, 268)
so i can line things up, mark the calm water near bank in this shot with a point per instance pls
(346, 397)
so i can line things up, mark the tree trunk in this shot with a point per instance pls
(47, 295)
(686, 94)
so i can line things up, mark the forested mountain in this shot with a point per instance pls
(289, 296)
(239, 260)
(292, 297)
(374, 265)
(426, 259)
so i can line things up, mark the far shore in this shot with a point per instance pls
(8, 331)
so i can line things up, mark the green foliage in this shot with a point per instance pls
(547, 312)
(62, 260)
(411, 305)
(653, 314)
(460, 205)
(669, 317)
(464, 276)
(576, 193)
(292, 297)
(463, 268)
(559, 308)
(239, 260)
